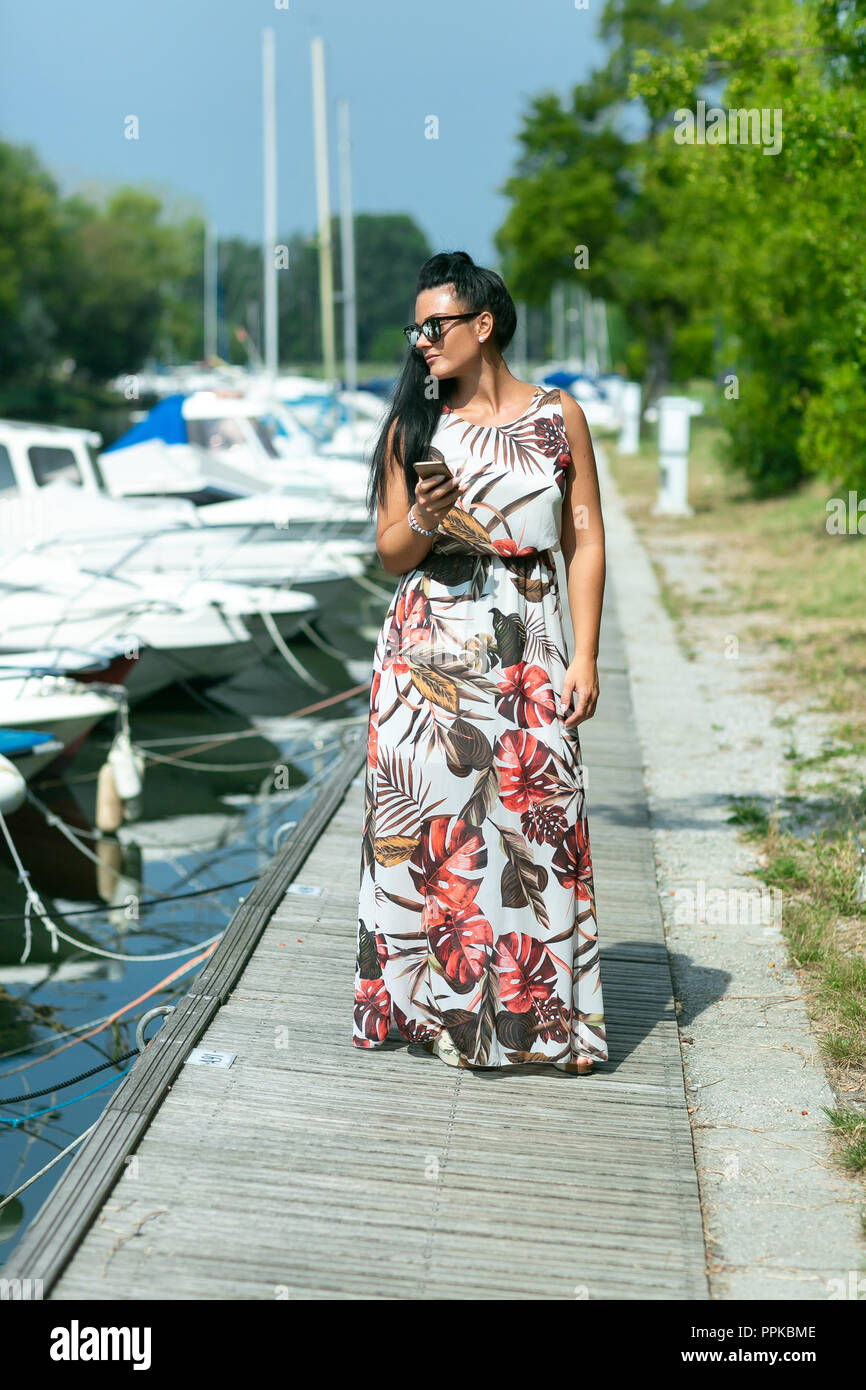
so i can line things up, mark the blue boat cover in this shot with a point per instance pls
(13, 741)
(164, 421)
(567, 380)
(563, 379)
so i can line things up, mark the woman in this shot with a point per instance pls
(477, 932)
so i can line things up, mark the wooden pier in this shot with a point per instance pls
(312, 1169)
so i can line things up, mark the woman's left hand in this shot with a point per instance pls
(581, 679)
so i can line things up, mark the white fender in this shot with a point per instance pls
(127, 766)
(13, 788)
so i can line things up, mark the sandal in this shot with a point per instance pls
(581, 1066)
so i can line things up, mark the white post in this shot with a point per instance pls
(629, 439)
(601, 335)
(572, 326)
(557, 316)
(269, 134)
(590, 335)
(581, 314)
(519, 363)
(347, 249)
(210, 290)
(323, 201)
(673, 418)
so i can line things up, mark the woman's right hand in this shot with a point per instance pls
(434, 498)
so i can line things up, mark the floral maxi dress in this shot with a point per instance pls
(477, 929)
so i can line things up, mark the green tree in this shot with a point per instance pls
(117, 271)
(390, 249)
(788, 251)
(30, 248)
(591, 173)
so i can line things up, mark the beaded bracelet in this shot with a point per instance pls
(415, 526)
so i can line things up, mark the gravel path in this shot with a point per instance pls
(780, 1220)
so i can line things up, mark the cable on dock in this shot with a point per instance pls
(4, 1201)
(112, 1018)
(33, 898)
(240, 733)
(60, 1085)
(61, 1105)
(140, 959)
(287, 654)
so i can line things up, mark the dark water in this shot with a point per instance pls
(200, 827)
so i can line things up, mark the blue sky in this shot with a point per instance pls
(190, 71)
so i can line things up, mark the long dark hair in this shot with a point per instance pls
(413, 407)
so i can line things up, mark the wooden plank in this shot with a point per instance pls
(77, 1198)
(224, 967)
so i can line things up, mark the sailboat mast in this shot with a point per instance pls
(347, 250)
(323, 199)
(210, 290)
(269, 266)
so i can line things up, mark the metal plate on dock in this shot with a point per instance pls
(206, 1057)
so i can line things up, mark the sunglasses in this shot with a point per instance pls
(432, 328)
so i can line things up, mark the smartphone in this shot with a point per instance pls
(433, 468)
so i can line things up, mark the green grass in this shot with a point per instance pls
(849, 1128)
(750, 815)
(824, 927)
(795, 593)
(788, 583)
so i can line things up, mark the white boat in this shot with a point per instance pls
(266, 617)
(203, 631)
(63, 709)
(106, 661)
(254, 433)
(216, 452)
(345, 423)
(53, 497)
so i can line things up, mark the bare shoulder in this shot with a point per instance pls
(572, 414)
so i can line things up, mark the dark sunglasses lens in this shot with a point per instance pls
(430, 328)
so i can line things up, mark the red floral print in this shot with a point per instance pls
(443, 862)
(527, 695)
(461, 942)
(572, 861)
(373, 734)
(409, 631)
(553, 441)
(372, 1007)
(526, 972)
(526, 770)
(510, 547)
(560, 471)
